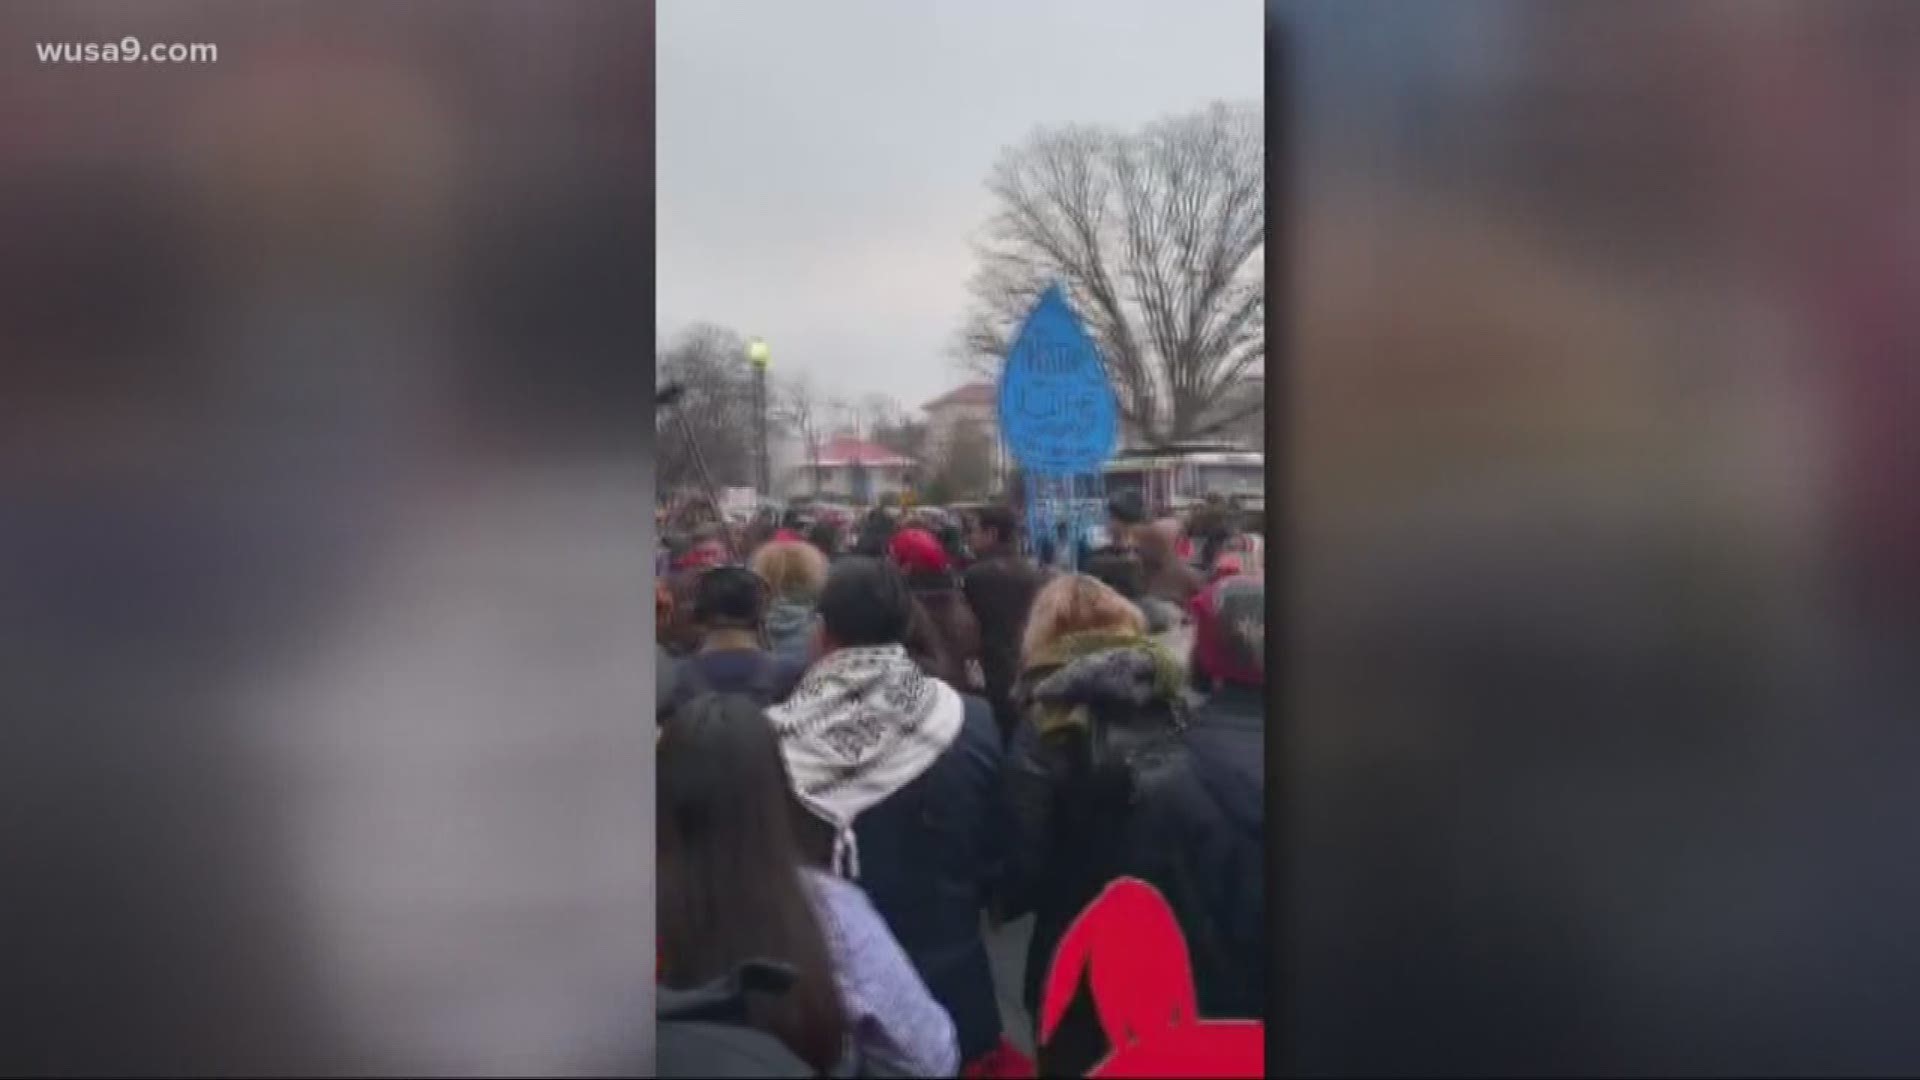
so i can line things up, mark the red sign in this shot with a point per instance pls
(1135, 959)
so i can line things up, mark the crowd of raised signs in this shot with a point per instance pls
(881, 741)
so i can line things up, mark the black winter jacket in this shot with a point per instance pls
(930, 856)
(1107, 779)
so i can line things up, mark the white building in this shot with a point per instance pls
(850, 470)
(978, 403)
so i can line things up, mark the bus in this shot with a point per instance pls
(1176, 477)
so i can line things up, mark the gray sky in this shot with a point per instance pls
(822, 165)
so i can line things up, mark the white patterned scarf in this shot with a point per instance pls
(862, 724)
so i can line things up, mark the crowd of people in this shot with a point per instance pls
(879, 744)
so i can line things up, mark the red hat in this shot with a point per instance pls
(915, 551)
(788, 535)
(704, 555)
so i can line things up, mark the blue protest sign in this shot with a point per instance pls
(1057, 411)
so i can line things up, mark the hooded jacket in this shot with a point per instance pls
(790, 630)
(1105, 782)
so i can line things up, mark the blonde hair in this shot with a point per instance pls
(792, 569)
(1073, 604)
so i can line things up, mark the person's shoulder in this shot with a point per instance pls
(976, 749)
(977, 717)
(834, 893)
(1216, 776)
(1230, 737)
(853, 923)
(788, 671)
(713, 669)
(982, 569)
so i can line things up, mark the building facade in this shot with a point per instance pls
(976, 403)
(850, 470)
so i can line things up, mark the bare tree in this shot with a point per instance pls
(842, 417)
(878, 411)
(1156, 237)
(798, 408)
(904, 436)
(709, 362)
(967, 471)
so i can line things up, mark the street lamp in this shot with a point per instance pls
(757, 355)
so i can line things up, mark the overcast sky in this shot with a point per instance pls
(822, 165)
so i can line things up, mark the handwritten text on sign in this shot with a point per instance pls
(1057, 411)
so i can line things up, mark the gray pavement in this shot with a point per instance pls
(1007, 951)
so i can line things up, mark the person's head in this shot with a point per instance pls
(865, 603)
(876, 532)
(794, 519)
(927, 644)
(1124, 511)
(1155, 542)
(728, 864)
(1230, 629)
(729, 598)
(702, 555)
(944, 633)
(954, 539)
(995, 528)
(1212, 526)
(757, 530)
(792, 569)
(1121, 572)
(1230, 563)
(1076, 604)
(916, 551)
(825, 537)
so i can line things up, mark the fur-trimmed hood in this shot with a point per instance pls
(1100, 671)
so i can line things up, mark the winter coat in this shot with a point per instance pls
(1105, 780)
(930, 855)
(754, 672)
(1219, 822)
(790, 631)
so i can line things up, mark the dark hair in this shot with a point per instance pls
(729, 597)
(876, 532)
(1126, 508)
(1122, 572)
(866, 602)
(758, 530)
(1212, 525)
(793, 519)
(681, 635)
(943, 633)
(1000, 521)
(825, 536)
(954, 542)
(728, 872)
